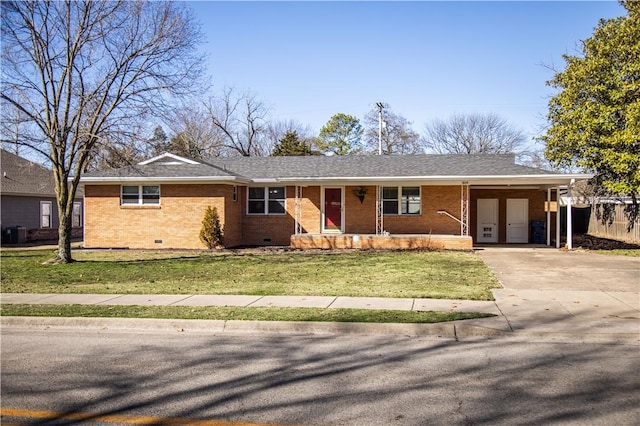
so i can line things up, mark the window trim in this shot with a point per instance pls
(266, 200)
(400, 201)
(140, 194)
(42, 215)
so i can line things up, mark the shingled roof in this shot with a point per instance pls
(352, 168)
(375, 166)
(23, 177)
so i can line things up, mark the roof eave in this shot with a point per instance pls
(164, 179)
(550, 179)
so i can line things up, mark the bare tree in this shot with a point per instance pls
(241, 119)
(82, 70)
(397, 135)
(12, 123)
(119, 149)
(194, 134)
(472, 134)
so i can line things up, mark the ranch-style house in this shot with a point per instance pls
(354, 201)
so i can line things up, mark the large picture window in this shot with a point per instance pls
(266, 200)
(140, 195)
(403, 200)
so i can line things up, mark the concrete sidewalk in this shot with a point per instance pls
(556, 314)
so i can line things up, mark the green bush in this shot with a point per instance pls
(211, 232)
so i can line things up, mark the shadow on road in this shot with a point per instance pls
(333, 379)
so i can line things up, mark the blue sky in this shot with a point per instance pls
(309, 60)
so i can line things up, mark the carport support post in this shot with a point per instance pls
(569, 224)
(557, 217)
(548, 216)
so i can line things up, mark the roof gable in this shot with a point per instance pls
(168, 159)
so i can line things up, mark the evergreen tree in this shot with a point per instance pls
(291, 144)
(341, 135)
(211, 232)
(159, 141)
(595, 118)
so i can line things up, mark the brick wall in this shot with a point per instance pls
(433, 198)
(176, 223)
(310, 217)
(42, 234)
(380, 242)
(536, 199)
(271, 229)
(360, 217)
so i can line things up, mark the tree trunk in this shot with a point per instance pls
(65, 212)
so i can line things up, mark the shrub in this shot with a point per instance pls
(211, 232)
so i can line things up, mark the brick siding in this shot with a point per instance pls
(380, 242)
(177, 221)
(433, 198)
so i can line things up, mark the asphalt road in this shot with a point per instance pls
(116, 377)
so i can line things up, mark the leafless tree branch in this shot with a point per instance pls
(81, 71)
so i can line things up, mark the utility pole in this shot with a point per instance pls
(380, 107)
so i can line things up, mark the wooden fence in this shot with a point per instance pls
(616, 227)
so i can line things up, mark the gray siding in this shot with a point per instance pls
(25, 211)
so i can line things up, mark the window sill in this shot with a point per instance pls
(140, 206)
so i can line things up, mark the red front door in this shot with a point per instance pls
(333, 209)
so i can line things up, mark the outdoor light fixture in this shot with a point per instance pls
(360, 192)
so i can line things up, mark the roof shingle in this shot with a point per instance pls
(23, 177)
(331, 167)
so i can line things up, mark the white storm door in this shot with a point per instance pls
(487, 220)
(517, 218)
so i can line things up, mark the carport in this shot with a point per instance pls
(521, 212)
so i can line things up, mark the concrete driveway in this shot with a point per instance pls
(543, 268)
(552, 291)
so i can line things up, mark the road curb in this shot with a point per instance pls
(456, 330)
(445, 330)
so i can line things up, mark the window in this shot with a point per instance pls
(390, 200)
(76, 218)
(140, 194)
(410, 202)
(45, 214)
(266, 200)
(404, 200)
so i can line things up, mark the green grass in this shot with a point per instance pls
(240, 313)
(455, 275)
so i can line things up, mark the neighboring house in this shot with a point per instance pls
(415, 201)
(29, 209)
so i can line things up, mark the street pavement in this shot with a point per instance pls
(547, 293)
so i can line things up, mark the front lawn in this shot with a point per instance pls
(450, 275)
